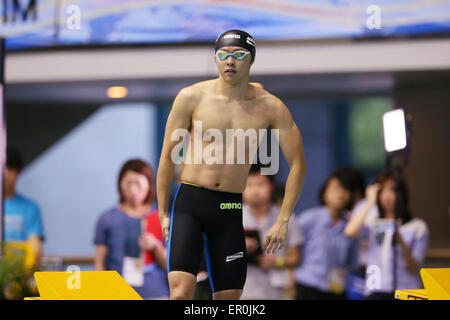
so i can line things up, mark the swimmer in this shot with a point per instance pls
(207, 209)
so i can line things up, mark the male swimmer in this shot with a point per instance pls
(207, 209)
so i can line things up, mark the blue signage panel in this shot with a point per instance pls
(40, 23)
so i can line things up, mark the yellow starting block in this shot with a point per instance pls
(437, 286)
(83, 285)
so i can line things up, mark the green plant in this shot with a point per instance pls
(14, 277)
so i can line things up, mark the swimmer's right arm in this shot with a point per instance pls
(180, 117)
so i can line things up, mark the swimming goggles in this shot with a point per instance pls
(238, 55)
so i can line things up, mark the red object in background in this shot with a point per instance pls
(153, 227)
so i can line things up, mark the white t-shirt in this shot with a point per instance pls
(380, 255)
(269, 284)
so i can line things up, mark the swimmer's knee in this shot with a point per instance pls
(182, 285)
(181, 294)
(234, 294)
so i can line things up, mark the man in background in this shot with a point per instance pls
(267, 274)
(23, 222)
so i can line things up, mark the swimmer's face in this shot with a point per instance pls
(134, 188)
(231, 69)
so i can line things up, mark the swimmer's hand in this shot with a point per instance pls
(276, 237)
(165, 225)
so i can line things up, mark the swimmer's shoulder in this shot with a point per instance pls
(273, 106)
(268, 100)
(197, 90)
(189, 97)
(260, 93)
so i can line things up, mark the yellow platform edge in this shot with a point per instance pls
(83, 285)
(436, 282)
(416, 294)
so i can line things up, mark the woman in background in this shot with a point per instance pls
(390, 196)
(128, 237)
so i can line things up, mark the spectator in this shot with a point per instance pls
(23, 220)
(155, 263)
(390, 196)
(128, 237)
(278, 194)
(327, 254)
(355, 181)
(267, 277)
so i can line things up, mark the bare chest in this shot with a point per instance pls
(214, 114)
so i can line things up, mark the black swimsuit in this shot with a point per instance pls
(209, 219)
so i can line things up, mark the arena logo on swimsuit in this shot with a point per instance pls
(230, 205)
(224, 150)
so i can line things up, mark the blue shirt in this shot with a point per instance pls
(325, 248)
(120, 234)
(22, 219)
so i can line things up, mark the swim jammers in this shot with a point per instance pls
(211, 220)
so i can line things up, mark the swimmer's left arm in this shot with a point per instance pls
(291, 144)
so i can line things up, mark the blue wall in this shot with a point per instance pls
(75, 180)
